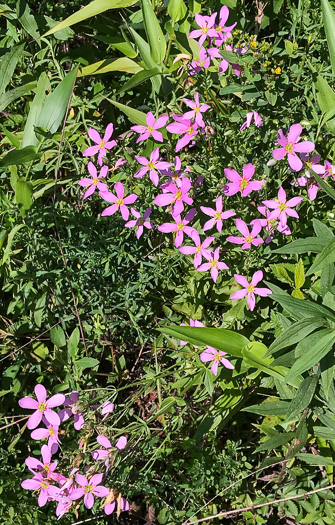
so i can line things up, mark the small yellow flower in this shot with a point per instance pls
(265, 64)
(253, 43)
(278, 70)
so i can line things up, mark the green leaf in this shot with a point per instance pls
(328, 189)
(223, 340)
(138, 78)
(94, 8)
(299, 275)
(87, 362)
(303, 397)
(154, 32)
(57, 336)
(312, 459)
(13, 138)
(20, 156)
(276, 441)
(269, 408)
(177, 9)
(254, 354)
(8, 64)
(301, 309)
(56, 103)
(329, 25)
(8, 249)
(72, 344)
(23, 195)
(321, 230)
(309, 244)
(144, 50)
(36, 107)
(8, 97)
(295, 333)
(38, 311)
(326, 98)
(135, 116)
(326, 257)
(209, 381)
(324, 432)
(327, 279)
(111, 64)
(315, 353)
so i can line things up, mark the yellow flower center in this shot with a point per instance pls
(289, 147)
(95, 181)
(308, 164)
(219, 29)
(205, 29)
(249, 239)
(213, 264)
(88, 488)
(140, 221)
(180, 226)
(250, 288)
(282, 207)
(44, 485)
(150, 129)
(217, 357)
(151, 166)
(178, 195)
(196, 110)
(272, 222)
(278, 70)
(201, 63)
(190, 130)
(217, 216)
(102, 144)
(41, 407)
(243, 184)
(46, 468)
(119, 202)
(198, 250)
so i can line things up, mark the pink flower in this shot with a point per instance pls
(282, 208)
(151, 128)
(46, 491)
(217, 215)
(205, 23)
(252, 115)
(119, 201)
(101, 454)
(51, 432)
(152, 166)
(290, 145)
(248, 238)
(183, 127)
(329, 169)
(221, 32)
(199, 249)
(109, 507)
(197, 110)
(94, 182)
(42, 407)
(119, 163)
(180, 226)
(250, 289)
(176, 176)
(45, 466)
(175, 195)
(214, 265)
(308, 179)
(270, 224)
(193, 322)
(88, 488)
(242, 184)
(211, 354)
(106, 409)
(203, 62)
(102, 145)
(66, 413)
(140, 222)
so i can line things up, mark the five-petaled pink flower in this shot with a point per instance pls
(103, 453)
(94, 182)
(243, 184)
(282, 208)
(203, 62)
(42, 407)
(199, 249)
(151, 129)
(270, 224)
(217, 215)
(102, 145)
(180, 226)
(197, 110)
(175, 195)
(71, 402)
(250, 289)
(140, 222)
(45, 466)
(205, 23)
(290, 146)
(184, 127)
(221, 32)
(50, 432)
(310, 164)
(211, 354)
(214, 265)
(119, 201)
(249, 238)
(176, 175)
(88, 488)
(249, 116)
(152, 165)
(40, 483)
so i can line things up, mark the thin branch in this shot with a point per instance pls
(252, 507)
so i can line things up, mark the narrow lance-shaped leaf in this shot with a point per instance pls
(112, 64)
(8, 64)
(302, 399)
(329, 25)
(326, 257)
(324, 185)
(135, 116)
(154, 32)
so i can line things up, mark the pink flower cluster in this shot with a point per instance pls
(46, 481)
